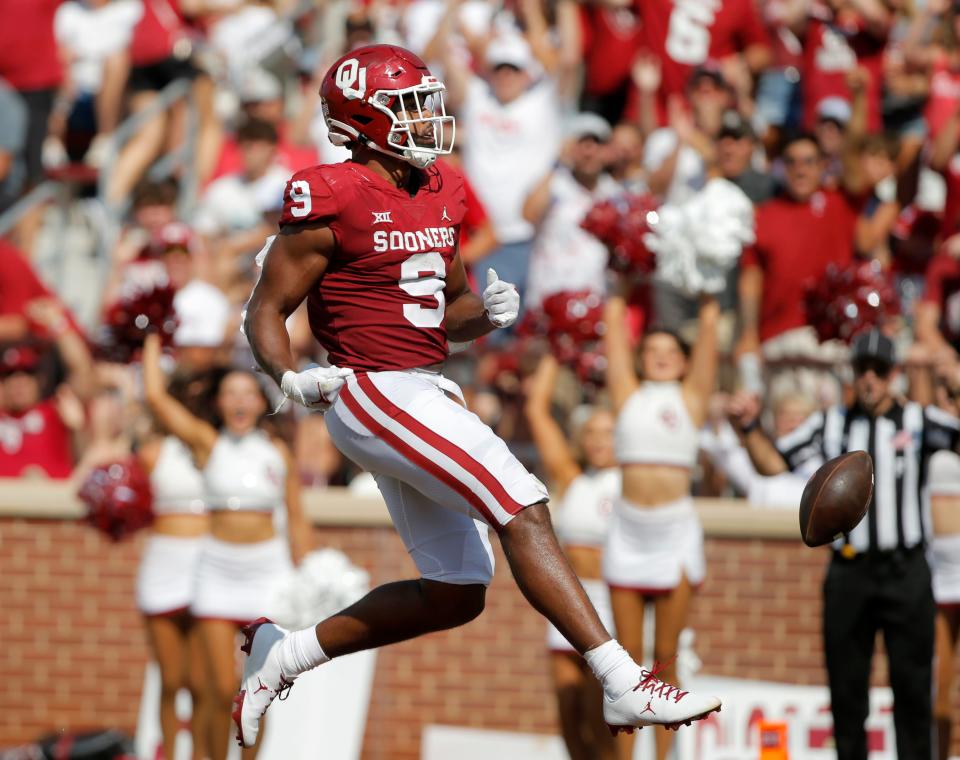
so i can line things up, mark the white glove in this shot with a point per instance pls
(501, 300)
(316, 387)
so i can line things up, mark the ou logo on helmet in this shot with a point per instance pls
(351, 73)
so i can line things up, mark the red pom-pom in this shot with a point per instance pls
(147, 308)
(847, 301)
(118, 498)
(620, 224)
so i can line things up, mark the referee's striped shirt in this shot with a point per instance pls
(900, 443)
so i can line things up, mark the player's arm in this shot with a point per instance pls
(296, 261)
(469, 316)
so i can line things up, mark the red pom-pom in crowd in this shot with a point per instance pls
(573, 324)
(620, 224)
(848, 301)
(118, 498)
(127, 322)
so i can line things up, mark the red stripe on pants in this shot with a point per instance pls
(422, 461)
(440, 443)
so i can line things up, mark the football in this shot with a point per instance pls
(836, 498)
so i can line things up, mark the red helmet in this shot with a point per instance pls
(386, 98)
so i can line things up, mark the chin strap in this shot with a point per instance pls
(421, 161)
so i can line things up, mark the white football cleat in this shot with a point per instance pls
(653, 702)
(262, 681)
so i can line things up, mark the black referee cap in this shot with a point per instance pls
(873, 345)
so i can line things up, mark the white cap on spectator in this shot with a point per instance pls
(258, 85)
(835, 109)
(509, 50)
(202, 313)
(588, 125)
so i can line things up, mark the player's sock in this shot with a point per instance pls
(299, 652)
(614, 668)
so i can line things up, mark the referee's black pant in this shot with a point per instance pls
(887, 592)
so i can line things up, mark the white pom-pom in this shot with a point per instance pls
(698, 243)
(324, 583)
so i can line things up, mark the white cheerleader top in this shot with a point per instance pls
(654, 427)
(177, 484)
(245, 473)
(584, 513)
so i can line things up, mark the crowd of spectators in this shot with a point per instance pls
(840, 120)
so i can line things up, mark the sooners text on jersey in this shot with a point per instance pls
(380, 304)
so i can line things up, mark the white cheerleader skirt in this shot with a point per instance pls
(650, 549)
(599, 596)
(165, 580)
(237, 582)
(944, 556)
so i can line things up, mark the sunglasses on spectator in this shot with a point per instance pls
(880, 368)
(801, 160)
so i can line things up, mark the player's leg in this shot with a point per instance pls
(450, 592)
(907, 611)
(670, 618)
(849, 630)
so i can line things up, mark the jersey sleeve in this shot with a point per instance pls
(308, 197)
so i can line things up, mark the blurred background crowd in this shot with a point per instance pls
(146, 144)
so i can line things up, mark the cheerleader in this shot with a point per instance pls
(165, 584)
(247, 476)
(944, 556)
(654, 547)
(585, 490)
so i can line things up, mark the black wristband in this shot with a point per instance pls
(750, 426)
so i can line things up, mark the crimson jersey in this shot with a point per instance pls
(380, 304)
(684, 35)
(830, 49)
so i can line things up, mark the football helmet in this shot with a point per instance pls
(386, 98)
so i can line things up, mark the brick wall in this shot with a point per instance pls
(72, 649)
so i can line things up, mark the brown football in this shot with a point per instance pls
(836, 498)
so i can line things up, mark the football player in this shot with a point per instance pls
(371, 243)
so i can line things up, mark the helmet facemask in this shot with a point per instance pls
(410, 110)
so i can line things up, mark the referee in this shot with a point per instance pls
(878, 579)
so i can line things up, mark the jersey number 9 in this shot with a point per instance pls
(423, 275)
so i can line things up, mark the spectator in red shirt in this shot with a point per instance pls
(937, 316)
(38, 422)
(19, 285)
(689, 34)
(29, 62)
(610, 35)
(837, 37)
(798, 234)
(261, 99)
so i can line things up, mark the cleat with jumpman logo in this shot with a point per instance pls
(263, 680)
(654, 702)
